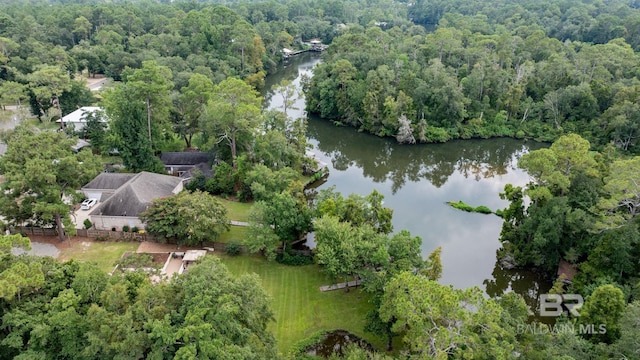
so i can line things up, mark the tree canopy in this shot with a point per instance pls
(189, 217)
(42, 173)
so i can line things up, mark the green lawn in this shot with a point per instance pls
(300, 308)
(236, 210)
(236, 233)
(104, 254)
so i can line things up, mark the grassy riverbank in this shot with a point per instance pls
(300, 308)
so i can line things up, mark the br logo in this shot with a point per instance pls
(553, 305)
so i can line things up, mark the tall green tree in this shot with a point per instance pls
(280, 220)
(604, 307)
(12, 92)
(191, 217)
(190, 107)
(40, 171)
(233, 115)
(336, 248)
(404, 254)
(440, 322)
(127, 132)
(221, 316)
(152, 84)
(47, 84)
(622, 189)
(553, 169)
(20, 277)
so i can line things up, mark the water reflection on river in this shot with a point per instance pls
(418, 180)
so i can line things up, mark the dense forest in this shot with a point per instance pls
(518, 69)
(185, 75)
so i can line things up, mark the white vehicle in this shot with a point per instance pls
(88, 204)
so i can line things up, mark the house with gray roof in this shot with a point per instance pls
(78, 118)
(184, 163)
(123, 197)
(104, 185)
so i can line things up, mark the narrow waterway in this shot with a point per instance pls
(418, 180)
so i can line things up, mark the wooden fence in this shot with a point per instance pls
(28, 230)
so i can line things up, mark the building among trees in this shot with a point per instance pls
(78, 119)
(123, 197)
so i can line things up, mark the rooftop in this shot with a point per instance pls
(108, 181)
(193, 255)
(136, 194)
(185, 158)
(79, 115)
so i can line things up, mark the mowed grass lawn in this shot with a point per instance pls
(236, 210)
(237, 234)
(299, 307)
(104, 254)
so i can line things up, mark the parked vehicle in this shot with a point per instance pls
(88, 204)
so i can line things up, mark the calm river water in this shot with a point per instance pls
(418, 180)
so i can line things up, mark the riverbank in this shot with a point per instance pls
(418, 180)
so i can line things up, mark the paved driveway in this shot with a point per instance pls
(80, 215)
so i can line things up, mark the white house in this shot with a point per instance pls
(78, 118)
(123, 197)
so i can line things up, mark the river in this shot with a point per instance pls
(418, 180)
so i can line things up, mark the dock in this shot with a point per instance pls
(340, 285)
(313, 45)
(287, 53)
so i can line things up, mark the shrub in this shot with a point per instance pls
(87, 224)
(197, 181)
(437, 134)
(125, 228)
(289, 257)
(233, 248)
(135, 229)
(223, 180)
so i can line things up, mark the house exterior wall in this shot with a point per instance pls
(92, 194)
(77, 126)
(97, 194)
(102, 222)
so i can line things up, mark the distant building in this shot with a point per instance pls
(183, 164)
(190, 257)
(81, 144)
(123, 197)
(317, 45)
(78, 118)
